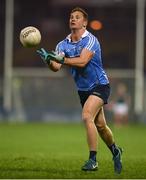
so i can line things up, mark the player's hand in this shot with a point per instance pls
(54, 56)
(44, 55)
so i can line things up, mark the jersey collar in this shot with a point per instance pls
(83, 35)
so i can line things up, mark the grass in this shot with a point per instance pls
(57, 151)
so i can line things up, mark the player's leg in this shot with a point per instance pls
(107, 136)
(103, 130)
(90, 110)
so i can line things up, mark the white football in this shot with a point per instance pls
(30, 36)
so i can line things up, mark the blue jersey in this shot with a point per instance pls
(93, 73)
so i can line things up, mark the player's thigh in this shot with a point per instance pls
(100, 120)
(91, 107)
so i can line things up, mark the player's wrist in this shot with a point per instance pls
(50, 64)
(59, 58)
(65, 61)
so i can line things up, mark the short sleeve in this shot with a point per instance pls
(92, 43)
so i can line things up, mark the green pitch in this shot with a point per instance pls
(59, 150)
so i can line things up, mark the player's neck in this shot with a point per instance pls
(77, 34)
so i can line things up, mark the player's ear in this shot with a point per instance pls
(85, 24)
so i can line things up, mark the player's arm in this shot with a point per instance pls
(80, 61)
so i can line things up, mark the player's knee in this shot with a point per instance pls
(86, 117)
(101, 127)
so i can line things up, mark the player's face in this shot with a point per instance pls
(77, 20)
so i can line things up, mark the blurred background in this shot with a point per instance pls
(31, 92)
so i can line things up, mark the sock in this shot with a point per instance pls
(114, 149)
(92, 155)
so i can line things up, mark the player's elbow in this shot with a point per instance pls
(84, 60)
(83, 63)
(54, 69)
(54, 66)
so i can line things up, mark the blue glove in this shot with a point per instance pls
(44, 55)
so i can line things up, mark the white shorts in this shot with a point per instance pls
(120, 108)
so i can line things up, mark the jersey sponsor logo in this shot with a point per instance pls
(74, 48)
